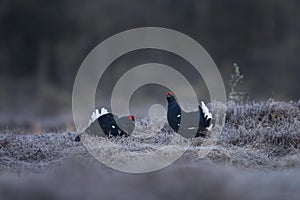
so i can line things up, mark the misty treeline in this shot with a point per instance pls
(43, 42)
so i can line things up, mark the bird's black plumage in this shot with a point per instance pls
(192, 120)
(111, 125)
(174, 112)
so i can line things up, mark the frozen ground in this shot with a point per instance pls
(256, 157)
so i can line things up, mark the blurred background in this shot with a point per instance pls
(43, 43)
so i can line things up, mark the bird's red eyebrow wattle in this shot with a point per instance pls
(132, 118)
(170, 93)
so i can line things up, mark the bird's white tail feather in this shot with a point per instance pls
(210, 127)
(95, 115)
(206, 111)
(103, 111)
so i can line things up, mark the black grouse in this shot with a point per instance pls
(175, 115)
(111, 125)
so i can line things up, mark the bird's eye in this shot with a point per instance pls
(113, 126)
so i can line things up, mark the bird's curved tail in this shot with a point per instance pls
(205, 117)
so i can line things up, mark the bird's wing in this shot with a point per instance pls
(109, 125)
(189, 120)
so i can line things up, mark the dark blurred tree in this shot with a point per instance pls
(45, 41)
(30, 32)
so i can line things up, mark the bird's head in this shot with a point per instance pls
(132, 118)
(170, 96)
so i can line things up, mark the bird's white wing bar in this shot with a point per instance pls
(192, 128)
(206, 111)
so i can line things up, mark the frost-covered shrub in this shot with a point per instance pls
(272, 126)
